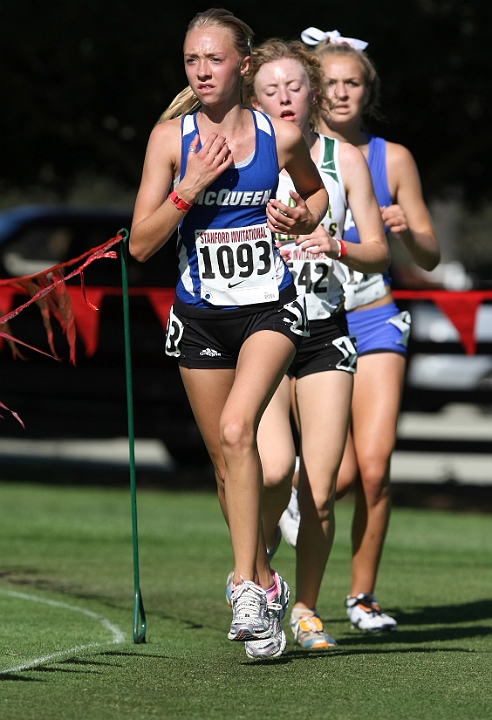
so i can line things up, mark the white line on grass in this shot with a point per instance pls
(118, 635)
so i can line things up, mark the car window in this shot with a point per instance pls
(44, 242)
(37, 248)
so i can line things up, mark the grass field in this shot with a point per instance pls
(66, 586)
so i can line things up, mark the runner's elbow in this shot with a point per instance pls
(431, 262)
(383, 259)
(137, 252)
(144, 243)
(386, 260)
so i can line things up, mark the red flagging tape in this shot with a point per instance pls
(48, 289)
(60, 309)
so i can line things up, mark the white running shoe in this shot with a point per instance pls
(291, 517)
(283, 593)
(274, 645)
(271, 647)
(283, 590)
(309, 631)
(365, 614)
(250, 620)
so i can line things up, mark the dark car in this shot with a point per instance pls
(439, 371)
(58, 400)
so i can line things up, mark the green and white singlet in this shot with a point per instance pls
(319, 278)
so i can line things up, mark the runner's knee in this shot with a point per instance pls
(236, 435)
(375, 480)
(317, 503)
(276, 475)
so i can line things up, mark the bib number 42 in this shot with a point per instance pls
(303, 272)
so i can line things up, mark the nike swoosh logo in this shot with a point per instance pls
(232, 285)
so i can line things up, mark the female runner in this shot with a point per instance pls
(286, 81)
(380, 329)
(235, 324)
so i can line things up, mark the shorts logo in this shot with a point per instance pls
(402, 322)
(299, 323)
(347, 346)
(174, 333)
(210, 352)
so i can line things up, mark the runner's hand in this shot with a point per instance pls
(319, 241)
(298, 220)
(205, 166)
(285, 253)
(394, 217)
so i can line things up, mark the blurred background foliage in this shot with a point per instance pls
(82, 82)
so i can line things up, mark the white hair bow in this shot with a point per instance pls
(313, 36)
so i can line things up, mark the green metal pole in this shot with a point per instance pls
(139, 621)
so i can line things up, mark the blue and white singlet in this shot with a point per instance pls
(360, 288)
(227, 258)
(318, 277)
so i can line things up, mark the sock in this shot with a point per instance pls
(272, 591)
(300, 612)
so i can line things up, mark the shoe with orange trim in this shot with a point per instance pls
(309, 631)
(365, 614)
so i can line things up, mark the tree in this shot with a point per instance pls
(82, 82)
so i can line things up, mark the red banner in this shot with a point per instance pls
(459, 307)
(87, 320)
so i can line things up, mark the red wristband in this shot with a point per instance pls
(179, 202)
(343, 248)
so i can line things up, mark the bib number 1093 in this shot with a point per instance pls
(236, 265)
(228, 261)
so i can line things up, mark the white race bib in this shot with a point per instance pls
(361, 289)
(316, 277)
(236, 265)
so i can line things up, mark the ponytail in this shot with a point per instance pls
(185, 102)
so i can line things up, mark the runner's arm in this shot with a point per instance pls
(310, 197)
(409, 219)
(372, 254)
(155, 217)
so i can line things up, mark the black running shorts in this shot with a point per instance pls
(202, 338)
(328, 347)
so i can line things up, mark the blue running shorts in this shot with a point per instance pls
(380, 329)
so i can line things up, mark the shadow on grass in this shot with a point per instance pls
(47, 670)
(135, 654)
(434, 614)
(403, 637)
(30, 578)
(339, 652)
(300, 654)
(188, 624)
(76, 661)
(449, 614)
(440, 616)
(79, 661)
